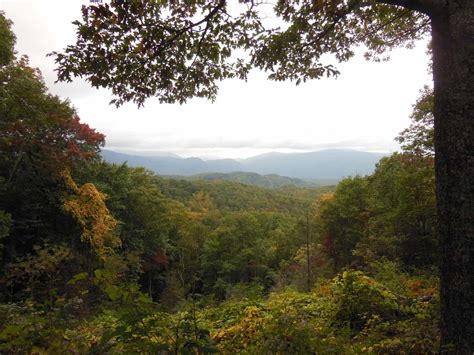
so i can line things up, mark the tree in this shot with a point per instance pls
(176, 50)
(418, 138)
(41, 137)
(342, 220)
(7, 41)
(402, 212)
(87, 206)
(238, 251)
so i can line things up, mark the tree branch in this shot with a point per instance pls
(385, 24)
(413, 30)
(334, 23)
(428, 7)
(207, 18)
(183, 30)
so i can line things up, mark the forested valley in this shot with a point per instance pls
(101, 258)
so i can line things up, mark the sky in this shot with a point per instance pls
(363, 109)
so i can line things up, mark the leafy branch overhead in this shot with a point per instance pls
(176, 51)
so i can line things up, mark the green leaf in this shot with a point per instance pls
(99, 273)
(78, 277)
(113, 292)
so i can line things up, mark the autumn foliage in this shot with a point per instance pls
(87, 206)
(46, 132)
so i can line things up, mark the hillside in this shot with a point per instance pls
(235, 196)
(267, 181)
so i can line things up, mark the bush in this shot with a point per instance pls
(358, 298)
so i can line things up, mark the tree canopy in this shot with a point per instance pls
(184, 50)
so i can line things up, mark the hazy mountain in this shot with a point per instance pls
(324, 164)
(168, 165)
(332, 164)
(224, 165)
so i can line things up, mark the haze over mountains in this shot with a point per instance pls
(330, 164)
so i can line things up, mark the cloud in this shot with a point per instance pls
(42, 27)
(221, 146)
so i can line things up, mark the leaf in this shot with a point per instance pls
(113, 292)
(38, 351)
(10, 330)
(78, 277)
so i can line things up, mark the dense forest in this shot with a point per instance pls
(269, 180)
(105, 258)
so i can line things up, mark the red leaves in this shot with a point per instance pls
(82, 140)
(52, 144)
(160, 259)
(39, 131)
(157, 261)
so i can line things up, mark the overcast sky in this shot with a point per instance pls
(364, 109)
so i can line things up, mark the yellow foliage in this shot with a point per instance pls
(243, 332)
(201, 202)
(87, 206)
(325, 198)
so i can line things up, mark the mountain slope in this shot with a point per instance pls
(268, 181)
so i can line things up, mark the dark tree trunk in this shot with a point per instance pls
(453, 66)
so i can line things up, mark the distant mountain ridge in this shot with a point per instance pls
(267, 181)
(330, 164)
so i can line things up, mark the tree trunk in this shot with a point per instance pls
(453, 69)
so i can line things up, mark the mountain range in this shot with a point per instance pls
(330, 164)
